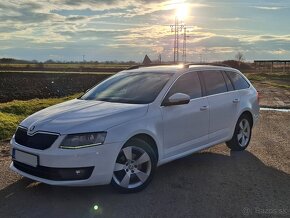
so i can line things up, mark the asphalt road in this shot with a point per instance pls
(212, 183)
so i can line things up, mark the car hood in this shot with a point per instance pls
(79, 116)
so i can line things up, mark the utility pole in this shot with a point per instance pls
(184, 45)
(200, 57)
(176, 28)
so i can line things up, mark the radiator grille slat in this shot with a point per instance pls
(39, 141)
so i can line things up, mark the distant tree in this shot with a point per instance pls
(130, 62)
(240, 57)
(7, 60)
(50, 61)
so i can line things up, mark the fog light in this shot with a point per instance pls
(78, 172)
(96, 207)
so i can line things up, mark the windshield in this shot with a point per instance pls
(128, 87)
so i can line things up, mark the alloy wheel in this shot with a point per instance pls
(132, 168)
(244, 132)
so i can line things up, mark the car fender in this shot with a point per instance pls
(145, 125)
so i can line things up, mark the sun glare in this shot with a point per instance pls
(182, 11)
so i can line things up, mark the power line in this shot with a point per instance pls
(185, 37)
(176, 28)
(184, 50)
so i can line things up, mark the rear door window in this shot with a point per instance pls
(214, 82)
(238, 81)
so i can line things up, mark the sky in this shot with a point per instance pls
(108, 30)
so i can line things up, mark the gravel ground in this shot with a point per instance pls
(212, 183)
(271, 96)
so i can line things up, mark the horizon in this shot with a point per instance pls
(67, 30)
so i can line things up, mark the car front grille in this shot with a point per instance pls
(39, 140)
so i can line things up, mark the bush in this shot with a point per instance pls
(26, 108)
(8, 124)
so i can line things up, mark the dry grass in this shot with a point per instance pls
(280, 80)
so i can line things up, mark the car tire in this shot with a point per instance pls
(242, 134)
(134, 167)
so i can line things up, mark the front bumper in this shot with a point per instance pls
(98, 162)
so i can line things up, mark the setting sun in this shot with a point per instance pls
(182, 11)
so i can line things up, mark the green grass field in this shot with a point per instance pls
(12, 113)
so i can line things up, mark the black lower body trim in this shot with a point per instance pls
(57, 174)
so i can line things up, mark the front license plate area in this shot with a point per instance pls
(24, 157)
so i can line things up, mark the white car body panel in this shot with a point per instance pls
(222, 110)
(78, 116)
(178, 123)
(177, 130)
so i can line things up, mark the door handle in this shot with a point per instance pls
(236, 100)
(204, 108)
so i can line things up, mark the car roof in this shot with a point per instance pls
(179, 68)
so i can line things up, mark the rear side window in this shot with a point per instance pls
(188, 84)
(228, 82)
(214, 82)
(238, 81)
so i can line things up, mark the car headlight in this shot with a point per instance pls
(83, 140)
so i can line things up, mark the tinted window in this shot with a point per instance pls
(238, 81)
(214, 82)
(128, 87)
(188, 84)
(228, 82)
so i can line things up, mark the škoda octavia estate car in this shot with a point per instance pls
(122, 129)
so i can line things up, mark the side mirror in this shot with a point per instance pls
(177, 99)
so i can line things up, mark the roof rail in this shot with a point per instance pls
(209, 64)
(150, 65)
(184, 65)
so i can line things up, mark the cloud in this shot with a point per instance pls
(232, 19)
(267, 38)
(92, 33)
(269, 7)
(111, 29)
(76, 18)
(279, 52)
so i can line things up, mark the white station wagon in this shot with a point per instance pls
(119, 131)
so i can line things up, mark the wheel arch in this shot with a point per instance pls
(150, 140)
(250, 115)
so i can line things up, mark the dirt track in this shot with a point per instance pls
(212, 183)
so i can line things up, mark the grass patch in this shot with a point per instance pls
(284, 86)
(26, 108)
(279, 80)
(12, 113)
(8, 124)
(255, 77)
